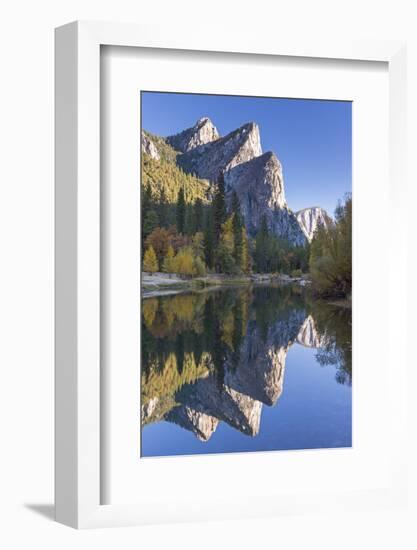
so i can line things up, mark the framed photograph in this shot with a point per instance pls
(237, 287)
(222, 336)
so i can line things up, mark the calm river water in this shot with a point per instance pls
(257, 368)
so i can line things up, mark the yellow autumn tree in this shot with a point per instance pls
(183, 262)
(168, 264)
(150, 261)
(149, 309)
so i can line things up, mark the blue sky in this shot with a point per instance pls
(311, 138)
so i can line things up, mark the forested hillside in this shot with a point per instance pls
(163, 180)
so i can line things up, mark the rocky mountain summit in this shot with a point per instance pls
(257, 178)
(210, 160)
(201, 133)
(310, 218)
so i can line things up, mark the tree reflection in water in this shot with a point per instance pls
(218, 356)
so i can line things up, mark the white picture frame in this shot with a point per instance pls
(77, 241)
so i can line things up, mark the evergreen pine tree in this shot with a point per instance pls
(150, 222)
(261, 250)
(237, 230)
(146, 198)
(199, 215)
(190, 221)
(245, 261)
(208, 242)
(163, 209)
(181, 211)
(219, 210)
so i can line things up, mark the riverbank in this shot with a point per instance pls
(165, 284)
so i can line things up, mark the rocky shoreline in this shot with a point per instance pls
(164, 284)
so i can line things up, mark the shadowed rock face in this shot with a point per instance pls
(201, 133)
(212, 159)
(310, 218)
(149, 147)
(259, 184)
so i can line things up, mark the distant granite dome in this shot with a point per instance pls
(310, 218)
(201, 133)
(210, 160)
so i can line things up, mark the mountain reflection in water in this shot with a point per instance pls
(218, 357)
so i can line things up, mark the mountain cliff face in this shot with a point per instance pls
(257, 178)
(201, 133)
(210, 160)
(310, 218)
(259, 184)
